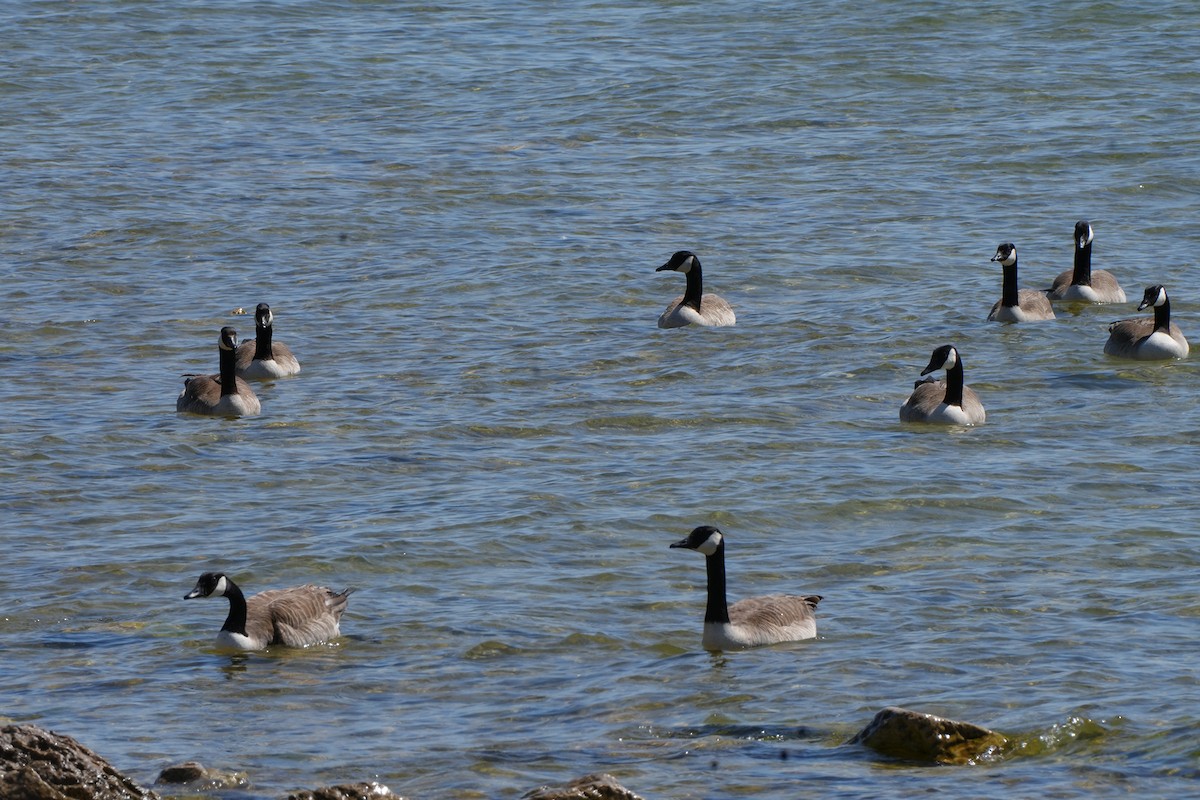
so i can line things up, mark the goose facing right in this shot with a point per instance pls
(223, 394)
(754, 621)
(265, 358)
(694, 307)
(949, 402)
(1148, 338)
(1082, 283)
(297, 617)
(1017, 305)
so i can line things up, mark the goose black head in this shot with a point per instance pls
(263, 316)
(210, 584)
(1083, 233)
(1006, 254)
(682, 261)
(945, 357)
(1155, 296)
(705, 539)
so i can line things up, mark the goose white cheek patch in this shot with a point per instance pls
(710, 545)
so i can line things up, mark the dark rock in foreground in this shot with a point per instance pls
(601, 786)
(36, 764)
(353, 791)
(912, 736)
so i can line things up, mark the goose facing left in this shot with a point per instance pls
(754, 621)
(694, 307)
(948, 402)
(1017, 305)
(1154, 338)
(297, 617)
(265, 358)
(223, 394)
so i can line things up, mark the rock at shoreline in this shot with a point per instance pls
(36, 764)
(912, 736)
(600, 786)
(349, 791)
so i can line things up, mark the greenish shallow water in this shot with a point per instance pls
(455, 212)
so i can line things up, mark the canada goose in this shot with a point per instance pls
(264, 358)
(1017, 305)
(751, 622)
(1083, 283)
(296, 617)
(1148, 338)
(693, 306)
(223, 394)
(948, 402)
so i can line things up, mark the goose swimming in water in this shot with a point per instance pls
(948, 402)
(1082, 283)
(751, 622)
(265, 358)
(223, 394)
(693, 307)
(1017, 305)
(1148, 338)
(296, 617)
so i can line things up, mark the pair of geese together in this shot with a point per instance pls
(226, 393)
(1142, 338)
(308, 615)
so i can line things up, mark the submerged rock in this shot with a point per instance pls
(196, 775)
(599, 786)
(36, 764)
(188, 772)
(913, 736)
(347, 791)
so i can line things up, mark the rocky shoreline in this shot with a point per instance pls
(36, 764)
